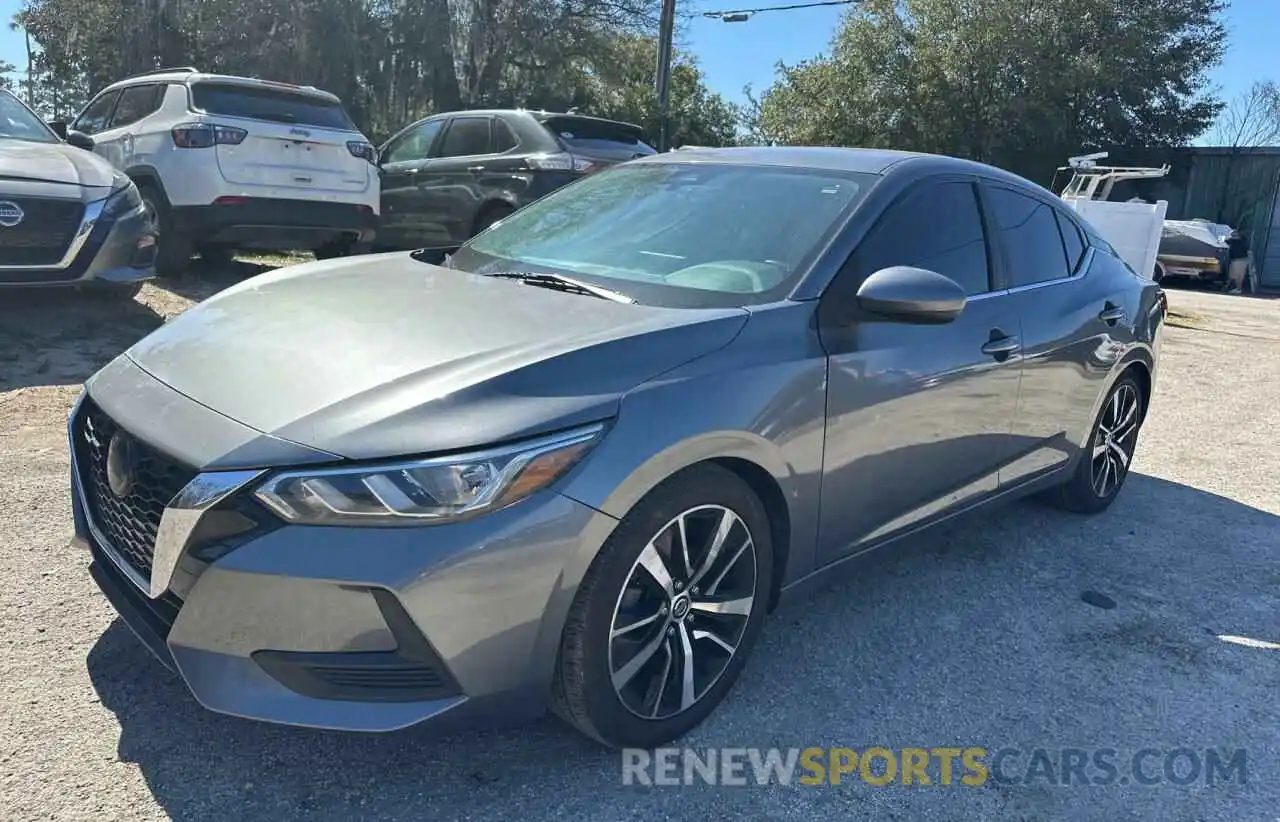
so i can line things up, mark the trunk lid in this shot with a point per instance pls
(296, 137)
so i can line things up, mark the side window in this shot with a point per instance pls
(135, 103)
(415, 144)
(466, 136)
(504, 139)
(95, 115)
(1032, 242)
(938, 227)
(1071, 240)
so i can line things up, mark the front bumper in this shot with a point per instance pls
(366, 629)
(117, 250)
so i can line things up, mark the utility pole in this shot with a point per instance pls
(662, 80)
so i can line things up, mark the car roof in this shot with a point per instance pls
(188, 76)
(828, 158)
(538, 114)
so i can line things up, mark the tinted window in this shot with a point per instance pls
(503, 138)
(588, 133)
(676, 234)
(275, 105)
(135, 103)
(414, 144)
(1071, 240)
(938, 227)
(1032, 242)
(95, 115)
(466, 136)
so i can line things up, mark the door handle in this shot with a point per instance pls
(1001, 347)
(475, 169)
(1111, 314)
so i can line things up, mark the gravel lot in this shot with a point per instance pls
(977, 637)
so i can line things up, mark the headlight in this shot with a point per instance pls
(123, 199)
(421, 492)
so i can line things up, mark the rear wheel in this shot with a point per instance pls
(217, 255)
(173, 248)
(1104, 466)
(668, 613)
(113, 292)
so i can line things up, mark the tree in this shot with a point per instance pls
(1251, 119)
(1017, 83)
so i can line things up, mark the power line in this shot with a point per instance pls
(739, 15)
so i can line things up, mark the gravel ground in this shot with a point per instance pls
(975, 637)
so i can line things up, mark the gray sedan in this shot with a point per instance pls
(67, 218)
(576, 464)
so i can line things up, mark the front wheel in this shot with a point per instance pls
(1104, 466)
(668, 613)
(173, 247)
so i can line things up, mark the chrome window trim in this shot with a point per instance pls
(92, 212)
(1079, 274)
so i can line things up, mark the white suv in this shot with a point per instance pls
(232, 162)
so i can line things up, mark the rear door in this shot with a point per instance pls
(1076, 305)
(293, 139)
(601, 142)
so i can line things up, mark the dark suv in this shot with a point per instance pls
(450, 176)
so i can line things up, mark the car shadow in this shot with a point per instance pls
(201, 280)
(1032, 626)
(61, 336)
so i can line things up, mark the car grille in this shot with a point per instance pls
(45, 233)
(130, 522)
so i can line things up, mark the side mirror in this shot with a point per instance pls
(59, 128)
(80, 140)
(912, 295)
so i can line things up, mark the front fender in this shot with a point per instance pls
(761, 399)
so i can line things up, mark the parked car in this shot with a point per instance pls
(449, 177)
(66, 218)
(579, 464)
(234, 162)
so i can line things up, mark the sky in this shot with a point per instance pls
(733, 55)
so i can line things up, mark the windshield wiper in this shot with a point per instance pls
(569, 285)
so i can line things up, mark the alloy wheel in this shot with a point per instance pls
(1114, 441)
(682, 612)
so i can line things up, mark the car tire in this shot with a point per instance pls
(341, 247)
(605, 684)
(217, 255)
(173, 248)
(490, 215)
(1104, 465)
(114, 292)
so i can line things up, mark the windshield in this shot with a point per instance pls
(678, 234)
(17, 122)
(275, 105)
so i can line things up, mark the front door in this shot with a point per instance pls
(402, 163)
(919, 417)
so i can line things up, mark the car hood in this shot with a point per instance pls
(52, 163)
(383, 355)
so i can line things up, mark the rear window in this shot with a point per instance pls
(582, 132)
(275, 105)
